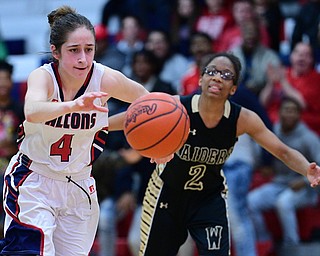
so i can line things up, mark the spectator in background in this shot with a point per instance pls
(129, 41)
(287, 191)
(242, 10)
(299, 81)
(306, 24)
(214, 19)
(201, 45)
(11, 115)
(113, 12)
(102, 43)
(238, 170)
(272, 19)
(118, 55)
(255, 58)
(172, 65)
(145, 71)
(317, 54)
(153, 14)
(185, 14)
(107, 53)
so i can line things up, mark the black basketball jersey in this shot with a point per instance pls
(198, 164)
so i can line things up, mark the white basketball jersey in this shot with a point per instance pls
(69, 144)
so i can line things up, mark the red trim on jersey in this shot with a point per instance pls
(58, 78)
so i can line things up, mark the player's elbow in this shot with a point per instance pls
(285, 154)
(29, 114)
(30, 118)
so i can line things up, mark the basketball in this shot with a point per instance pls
(156, 125)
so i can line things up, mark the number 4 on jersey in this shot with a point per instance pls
(62, 147)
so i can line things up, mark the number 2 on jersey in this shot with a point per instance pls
(62, 147)
(195, 183)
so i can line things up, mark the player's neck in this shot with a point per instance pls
(211, 112)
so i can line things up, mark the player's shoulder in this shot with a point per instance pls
(248, 121)
(108, 71)
(248, 114)
(190, 101)
(39, 73)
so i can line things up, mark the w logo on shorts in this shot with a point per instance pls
(214, 237)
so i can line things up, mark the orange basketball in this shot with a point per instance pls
(156, 125)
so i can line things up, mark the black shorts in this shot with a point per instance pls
(168, 215)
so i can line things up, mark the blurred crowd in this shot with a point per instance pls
(163, 44)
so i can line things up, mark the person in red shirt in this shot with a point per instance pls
(201, 45)
(214, 19)
(242, 10)
(299, 81)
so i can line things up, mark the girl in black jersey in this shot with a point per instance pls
(188, 193)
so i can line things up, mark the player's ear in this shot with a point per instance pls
(233, 90)
(54, 51)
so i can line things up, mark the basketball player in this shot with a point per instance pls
(50, 199)
(188, 194)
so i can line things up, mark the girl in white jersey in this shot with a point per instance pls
(49, 195)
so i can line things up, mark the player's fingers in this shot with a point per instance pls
(102, 109)
(315, 182)
(162, 160)
(99, 94)
(313, 165)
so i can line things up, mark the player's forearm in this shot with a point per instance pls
(116, 122)
(296, 161)
(37, 112)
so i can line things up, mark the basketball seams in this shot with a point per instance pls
(153, 99)
(156, 125)
(166, 136)
(151, 118)
(182, 140)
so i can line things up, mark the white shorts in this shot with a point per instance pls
(48, 217)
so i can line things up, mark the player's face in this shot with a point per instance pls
(77, 53)
(218, 78)
(5, 84)
(289, 115)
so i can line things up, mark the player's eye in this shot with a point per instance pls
(224, 74)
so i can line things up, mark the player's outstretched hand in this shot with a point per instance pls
(86, 102)
(313, 175)
(162, 160)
